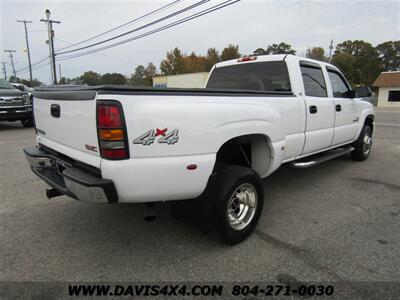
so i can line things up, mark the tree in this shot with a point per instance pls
(346, 63)
(389, 55)
(365, 66)
(259, 51)
(173, 64)
(90, 78)
(143, 76)
(113, 78)
(281, 48)
(230, 52)
(211, 59)
(150, 71)
(317, 53)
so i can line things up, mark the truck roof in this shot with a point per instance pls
(272, 57)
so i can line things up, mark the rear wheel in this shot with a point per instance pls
(362, 147)
(239, 203)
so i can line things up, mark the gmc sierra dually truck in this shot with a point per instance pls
(111, 144)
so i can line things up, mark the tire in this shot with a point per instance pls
(234, 182)
(28, 122)
(362, 147)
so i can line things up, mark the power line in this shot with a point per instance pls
(125, 24)
(173, 24)
(103, 54)
(34, 64)
(139, 28)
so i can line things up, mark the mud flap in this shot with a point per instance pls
(198, 212)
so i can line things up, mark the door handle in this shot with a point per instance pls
(338, 107)
(55, 110)
(313, 109)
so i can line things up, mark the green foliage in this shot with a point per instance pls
(317, 53)
(358, 60)
(113, 78)
(173, 64)
(212, 58)
(90, 78)
(143, 76)
(389, 55)
(230, 52)
(281, 48)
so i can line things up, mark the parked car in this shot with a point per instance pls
(15, 105)
(110, 144)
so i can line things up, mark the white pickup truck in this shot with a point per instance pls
(112, 144)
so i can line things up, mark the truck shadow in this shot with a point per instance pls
(11, 126)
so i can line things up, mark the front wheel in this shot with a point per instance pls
(362, 147)
(240, 200)
(29, 122)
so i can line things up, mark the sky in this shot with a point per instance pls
(251, 24)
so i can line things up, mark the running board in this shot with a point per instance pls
(321, 158)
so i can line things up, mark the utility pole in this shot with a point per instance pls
(27, 47)
(330, 50)
(59, 70)
(4, 70)
(51, 45)
(12, 61)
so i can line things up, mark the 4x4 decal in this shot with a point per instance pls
(165, 137)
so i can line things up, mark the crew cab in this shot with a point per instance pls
(114, 144)
(15, 105)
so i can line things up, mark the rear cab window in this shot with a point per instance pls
(271, 76)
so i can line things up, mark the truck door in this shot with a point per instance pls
(346, 115)
(319, 109)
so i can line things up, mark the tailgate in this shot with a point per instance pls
(66, 122)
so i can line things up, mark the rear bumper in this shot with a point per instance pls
(15, 112)
(69, 180)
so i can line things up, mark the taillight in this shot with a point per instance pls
(111, 130)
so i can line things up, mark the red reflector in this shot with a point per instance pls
(248, 58)
(108, 116)
(113, 153)
(191, 167)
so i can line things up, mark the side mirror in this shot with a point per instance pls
(363, 92)
(351, 94)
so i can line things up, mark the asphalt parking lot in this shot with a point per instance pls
(338, 221)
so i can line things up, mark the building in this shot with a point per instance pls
(192, 80)
(388, 84)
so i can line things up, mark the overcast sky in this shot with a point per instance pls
(249, 23)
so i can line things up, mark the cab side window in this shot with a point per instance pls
(313, 79)
(340, 88)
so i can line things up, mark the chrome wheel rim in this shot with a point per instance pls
(242, 206)
(367, 143)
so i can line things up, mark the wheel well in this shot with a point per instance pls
(369, 120)
(252, 151)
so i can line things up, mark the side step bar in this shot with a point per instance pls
(319, 159)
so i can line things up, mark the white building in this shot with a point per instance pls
(389, 89)
(192, 80)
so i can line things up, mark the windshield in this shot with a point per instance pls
(258, 76)
(4, 84)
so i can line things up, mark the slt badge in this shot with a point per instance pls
(166, 137)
